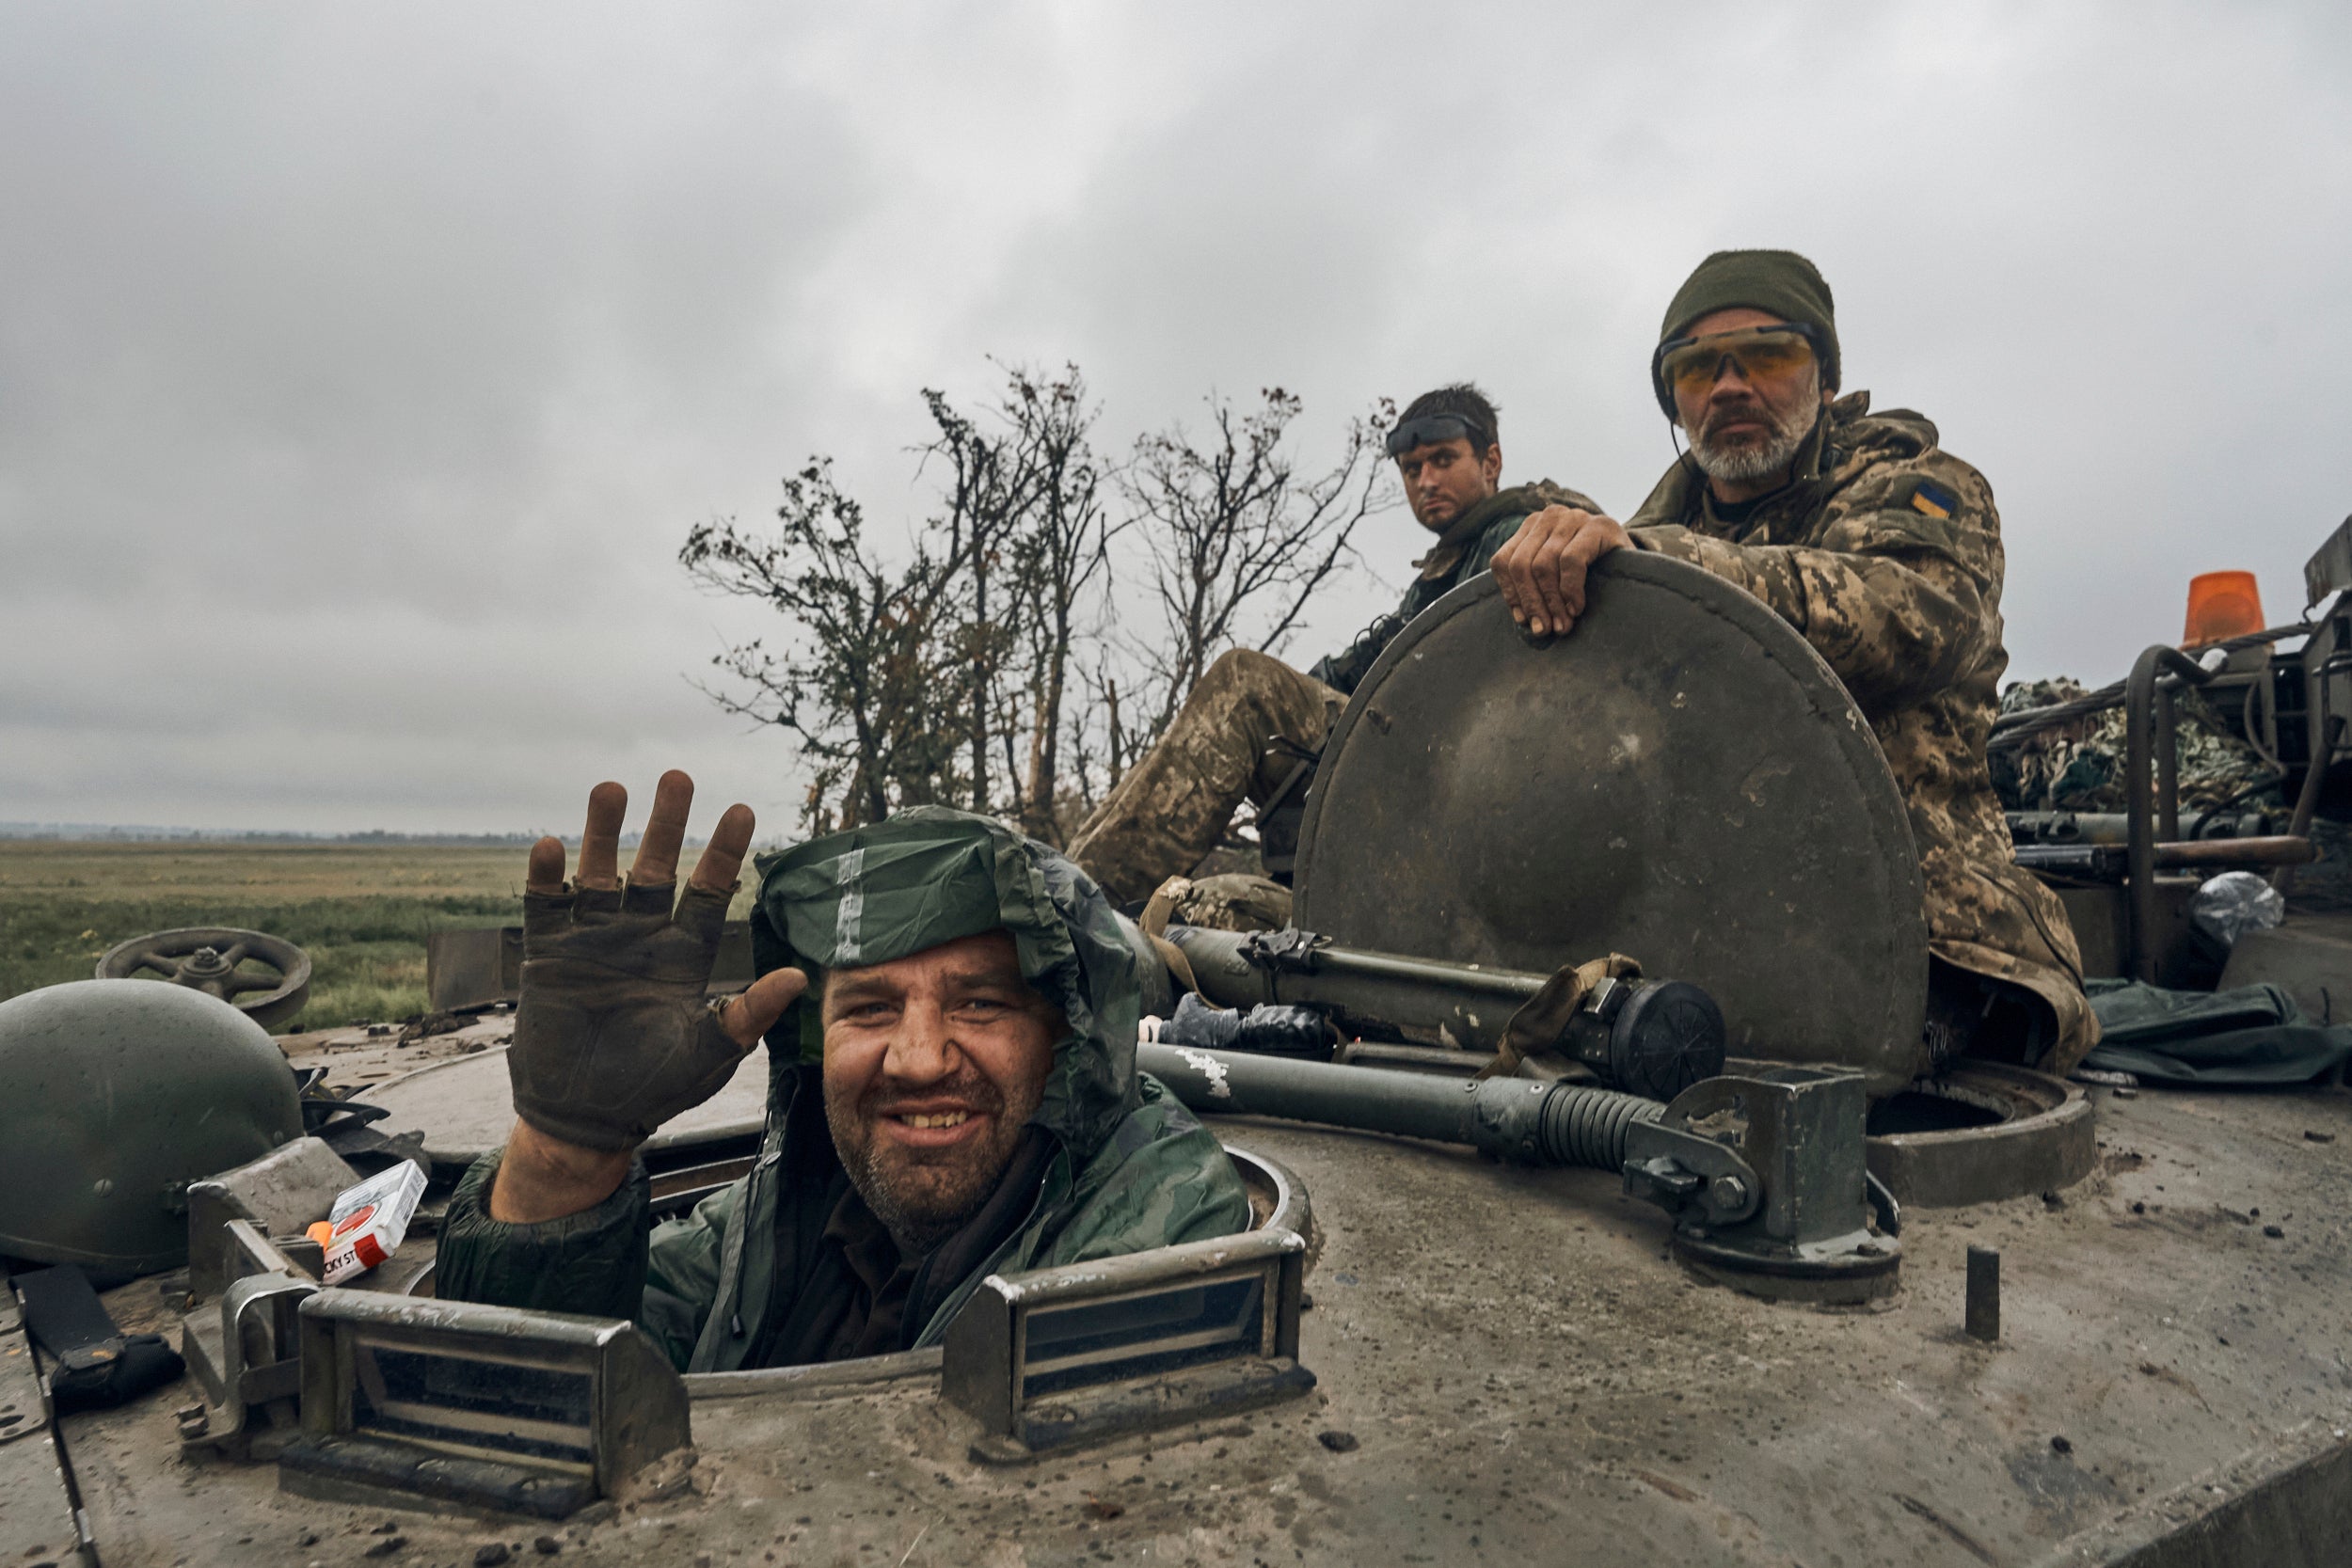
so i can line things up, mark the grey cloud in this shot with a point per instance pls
(359, 371)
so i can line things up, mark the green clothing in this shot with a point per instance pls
(1780, 282)
(759, 1273)
(2247, 1037)
(1466, 548)
(1885, 552)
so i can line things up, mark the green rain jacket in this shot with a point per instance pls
(749, 1278)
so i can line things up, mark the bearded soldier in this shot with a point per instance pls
(1885, 551)
(950, 1012)
(1251, 728)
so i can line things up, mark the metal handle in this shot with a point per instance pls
(2147, 722)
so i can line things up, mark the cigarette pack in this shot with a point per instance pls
(367, 1223)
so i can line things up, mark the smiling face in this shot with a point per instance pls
(932, 1064)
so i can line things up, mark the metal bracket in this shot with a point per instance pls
(279, 1193)
(1055, 1359)
(1292, 952)
(1680, 1171)
(535, 1413)
(1777, 1201)
(246, 1351)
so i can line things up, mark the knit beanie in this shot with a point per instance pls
(1780, 281)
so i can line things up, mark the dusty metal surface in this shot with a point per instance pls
(362, 1056)
(1510, 1370)
(2310, 957)
(37, 1514)
(1686, 783)
(478, 965)
(466, 1107)
(2101, 916)
(280, 1192)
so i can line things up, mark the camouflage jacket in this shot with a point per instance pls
(750, 1276)
(1462, 551)
(1885, 553)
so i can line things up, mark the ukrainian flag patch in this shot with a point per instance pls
(1932, 499)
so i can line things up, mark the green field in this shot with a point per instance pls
(361, 910)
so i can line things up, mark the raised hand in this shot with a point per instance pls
(614, 1034)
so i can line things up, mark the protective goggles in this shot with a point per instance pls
(1431, 429)
(1690, 365)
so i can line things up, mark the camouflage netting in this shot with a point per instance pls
(2079, 765)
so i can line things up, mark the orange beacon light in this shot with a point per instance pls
(2221, 605)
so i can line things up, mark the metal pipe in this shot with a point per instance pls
(2168, 764)
(2139, 721)
(2307, 799)
(1451, 1000)
(2107, 862)
(2291, 850)
(2067, 830)
(1517, 984)
(1510, 1119)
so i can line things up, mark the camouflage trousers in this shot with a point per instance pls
(1171, 809)
(2006, 973)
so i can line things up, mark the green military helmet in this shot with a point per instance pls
(114, 1096)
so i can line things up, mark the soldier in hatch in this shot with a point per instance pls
(1885, 551)
(1254, 719)
(950, 1010)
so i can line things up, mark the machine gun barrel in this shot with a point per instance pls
(1510, 1119)
(1652, 1037)
(1469, 1006)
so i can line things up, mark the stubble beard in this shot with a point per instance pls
(1776, 451)
(923, 1196)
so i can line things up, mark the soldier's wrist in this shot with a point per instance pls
(544, 1178)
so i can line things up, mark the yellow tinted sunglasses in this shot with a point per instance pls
(1690, 365)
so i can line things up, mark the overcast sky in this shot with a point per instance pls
(362, 367)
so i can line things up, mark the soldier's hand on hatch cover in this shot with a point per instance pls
(1541, 568)
(614, 1034)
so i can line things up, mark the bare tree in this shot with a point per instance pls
(1237, 540)
(872, 690)
(948, 679)
(986, 498)
(979, 672)
(1061, 558)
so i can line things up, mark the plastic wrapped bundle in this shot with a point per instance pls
(1271, 1031)
(2234, 903)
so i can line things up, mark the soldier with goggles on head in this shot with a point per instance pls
(1252, 726)
(1885, 551)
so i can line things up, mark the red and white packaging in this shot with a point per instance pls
(367, 1224)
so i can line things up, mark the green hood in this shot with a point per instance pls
(929, 875)
(735, 1279)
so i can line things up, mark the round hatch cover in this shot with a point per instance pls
(1681, 780)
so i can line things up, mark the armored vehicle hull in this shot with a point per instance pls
(1510, 1370)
